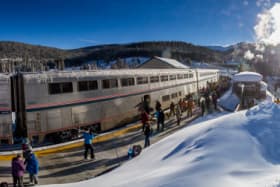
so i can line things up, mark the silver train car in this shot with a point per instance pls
(54, 105)
(6, 131)
(205, 76)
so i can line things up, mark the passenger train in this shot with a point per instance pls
(54, 105)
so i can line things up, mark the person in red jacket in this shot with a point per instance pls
(190, 106)
(144, 118)
(18, 171)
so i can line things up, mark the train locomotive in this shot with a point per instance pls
(53, 106)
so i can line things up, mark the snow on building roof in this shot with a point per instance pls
(172, 62)
(247, 76)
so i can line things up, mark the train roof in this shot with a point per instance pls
(101, 73)
(80, 74)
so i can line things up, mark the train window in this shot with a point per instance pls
(165, 98)
(154, 79)
(114, 83)
(205, 74)
(106, 84)
(54, 88)
(186, 76)
(191, 75)
(180, 76)
(110, 83)
(164, 78)
(58, 88)
(174, 95)
(142, 80)
(67, 87)
(172, 77)
(92, 85)
(127, 82)
(83, 85)
(87, 85)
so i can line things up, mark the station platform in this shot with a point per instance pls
(66, 164)
(46, 150)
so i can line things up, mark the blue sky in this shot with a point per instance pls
(77, 23)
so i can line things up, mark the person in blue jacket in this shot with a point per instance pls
(88, 137)
(32, 167)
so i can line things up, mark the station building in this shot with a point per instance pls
(249, 86)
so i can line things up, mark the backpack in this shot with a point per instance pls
(136, 150)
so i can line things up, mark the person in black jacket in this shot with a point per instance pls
(160, 120)
(147, 133)
(172, 109)
(215, 100)
(158, 106)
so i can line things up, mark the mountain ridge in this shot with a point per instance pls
(264, 57)
(12, 49)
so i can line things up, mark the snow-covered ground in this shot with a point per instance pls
(229, 100)
(241, 149)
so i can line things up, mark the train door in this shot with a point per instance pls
(18, 106)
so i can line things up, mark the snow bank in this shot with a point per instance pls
(266, 129)
(241, 149)
(229, 101)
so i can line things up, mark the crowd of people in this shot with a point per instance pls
(25, 162)
(207, 101)
(175, 110)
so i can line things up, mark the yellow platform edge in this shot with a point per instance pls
(98, 139)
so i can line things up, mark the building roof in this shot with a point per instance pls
(162, 63)
(172, 62)
(247, 76)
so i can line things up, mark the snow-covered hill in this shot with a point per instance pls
(220, 48)
(234, 150)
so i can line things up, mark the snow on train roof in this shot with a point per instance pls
(100, 73)
(247, 76)
(172, 62)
